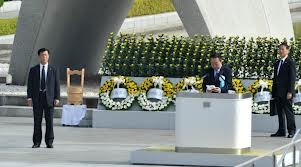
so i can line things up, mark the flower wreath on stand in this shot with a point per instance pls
(118, 93)
(297, 99)
(238, 86)
(261, 90)
(156, 93)
(190, 84)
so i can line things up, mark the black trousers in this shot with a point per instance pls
(285, 109)
(38, 110)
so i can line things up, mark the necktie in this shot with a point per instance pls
(43, 79)
(216, 74)
(279, 67)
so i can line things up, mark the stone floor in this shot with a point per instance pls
(73, 146)
(86, 146)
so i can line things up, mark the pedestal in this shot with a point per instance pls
(213, 123)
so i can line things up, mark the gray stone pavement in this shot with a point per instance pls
(74, 146)
(87, 146)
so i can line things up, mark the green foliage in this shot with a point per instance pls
(149, 7)
(1, 2)
(8, 26)
(132, 55)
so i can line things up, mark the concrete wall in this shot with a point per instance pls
(250, 18)
(76, 32)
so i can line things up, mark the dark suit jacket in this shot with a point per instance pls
(210, 80)
(285, 81)
(52, 85)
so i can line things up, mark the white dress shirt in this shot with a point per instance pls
(45, 69)
(216, 72)
(280, 64)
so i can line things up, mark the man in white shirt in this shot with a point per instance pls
(43, 93)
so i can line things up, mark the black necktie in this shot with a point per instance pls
(43, 79)
(280, 66)
(216, 75)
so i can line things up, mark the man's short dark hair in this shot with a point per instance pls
(43, 50)
(216, 55)
(285, 45)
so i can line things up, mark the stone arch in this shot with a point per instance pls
(76, 31)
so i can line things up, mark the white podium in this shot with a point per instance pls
(213, 123)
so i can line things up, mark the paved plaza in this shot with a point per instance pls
(75, 146)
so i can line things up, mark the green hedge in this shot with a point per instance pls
(8, 26)
(132, 55)
(1, 2)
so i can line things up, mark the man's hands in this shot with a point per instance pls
(289, 96)
(29, 102)
(216, 90)
(56, 102)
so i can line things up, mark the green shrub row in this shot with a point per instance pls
(141, 56)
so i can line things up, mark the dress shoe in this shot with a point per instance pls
(35, 146)
(49, 146)
(278, 134)
(291, 135)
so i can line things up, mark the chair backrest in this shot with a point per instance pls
(76, 72)
(75, 93)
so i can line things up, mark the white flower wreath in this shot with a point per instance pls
(161, 83)
(116, 105)
(153, 106)
(297, 109)
(261, 108)
(108, 86)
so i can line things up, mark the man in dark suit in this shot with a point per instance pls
(283, 91)
(217, 75)
(43, 93)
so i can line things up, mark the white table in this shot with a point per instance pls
(73, 114)
(213, 123)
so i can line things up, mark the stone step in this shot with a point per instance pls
(4, 45)
(23, 111)
(5, 57)
(21, 101)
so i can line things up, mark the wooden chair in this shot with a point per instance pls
(75, 93)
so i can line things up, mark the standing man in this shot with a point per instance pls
(218, 75)
(283, 91)
(43, 93)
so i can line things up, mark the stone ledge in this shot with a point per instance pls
(166, 120)
(22, 111)
(133, 120)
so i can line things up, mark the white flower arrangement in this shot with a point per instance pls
(147, 92)
(107, 96)
(153, 106)
(261, 108)
(116, 105)
(262, 84)
(297, 109)
(190, 81)
(265, 108)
